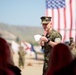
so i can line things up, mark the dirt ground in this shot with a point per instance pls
(32, 66)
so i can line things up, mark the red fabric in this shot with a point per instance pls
(60, 57)
(9, 72)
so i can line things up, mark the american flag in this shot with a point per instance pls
(63, 17)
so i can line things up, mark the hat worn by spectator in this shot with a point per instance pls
(45, 19)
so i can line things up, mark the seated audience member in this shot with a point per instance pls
(7, 66)
(61, 61)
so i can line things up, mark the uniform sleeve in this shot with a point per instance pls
(58, 37)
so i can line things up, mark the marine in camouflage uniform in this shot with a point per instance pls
(52, 36)
(47, 48)
(71, 42)
(21, 54)
(72, 46)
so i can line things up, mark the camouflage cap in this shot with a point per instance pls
(45, 19)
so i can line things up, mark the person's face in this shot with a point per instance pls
(47, 26)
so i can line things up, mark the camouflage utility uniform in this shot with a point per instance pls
(73, 49)
(47, 48)
(72, 46)
(21, 54)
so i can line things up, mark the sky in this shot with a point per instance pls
(22, 12)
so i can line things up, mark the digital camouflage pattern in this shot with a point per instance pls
(47, 48)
